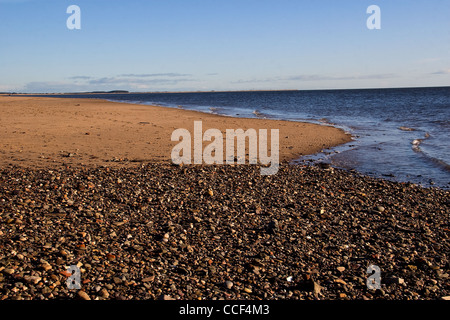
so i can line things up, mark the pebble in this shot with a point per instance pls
(305, 233)
(46, 266)
(229, 284)
(33, 279)
(104, 293)
(9, 271)
(83, 295)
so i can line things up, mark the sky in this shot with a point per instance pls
(203, 45)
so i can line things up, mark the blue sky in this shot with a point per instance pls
(190, 45)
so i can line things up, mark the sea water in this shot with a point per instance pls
(399, 134)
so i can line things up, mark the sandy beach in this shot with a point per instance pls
(41, 132)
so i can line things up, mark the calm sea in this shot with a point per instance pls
(400, 134)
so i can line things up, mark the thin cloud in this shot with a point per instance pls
(80, 78)
(318, 77)
(53, 86)
(102, 84)
(152, 75)
(445, 71)
(134, 81)
(322, 77)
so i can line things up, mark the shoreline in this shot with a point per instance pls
(42, 132)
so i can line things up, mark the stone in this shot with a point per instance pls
(32, 279)
(317, 288)
(228, 284)
(110, 257)
(340, 281)
(104, 293)
(46, 266)
(117, 280)
(148, 279)
(9, 271)
(341, 269)
(83, 295)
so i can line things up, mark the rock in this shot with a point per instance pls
(341, 269)
(317, 288)
(9, 271)
(380, 209)
(228, 284)
(32, 279)
(110, 257)
(46, 266)
(83, 295)
(406, 128)
(446, 298)
(340, 281)
(104, 293)
(117, 280)
(148, 279)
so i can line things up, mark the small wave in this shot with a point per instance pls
(416, 143)
(326, 121)
(259, 114)
(416, 147)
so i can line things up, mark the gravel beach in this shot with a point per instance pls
(160, 231)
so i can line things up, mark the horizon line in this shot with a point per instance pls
(119, 91)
